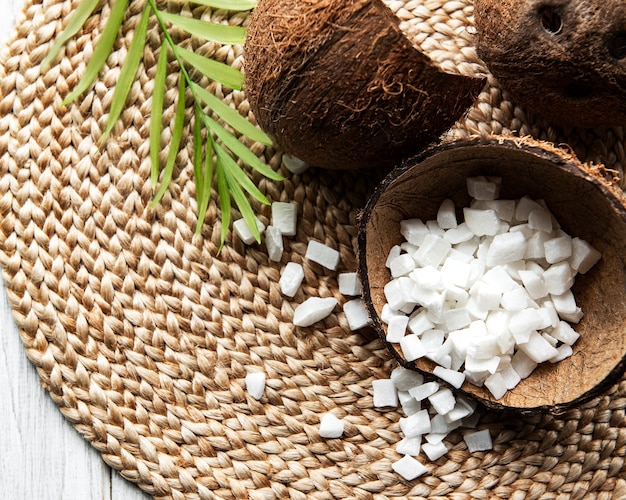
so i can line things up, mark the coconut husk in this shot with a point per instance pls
(566, 61)
(338, 85)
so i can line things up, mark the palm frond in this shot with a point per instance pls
(217, 152)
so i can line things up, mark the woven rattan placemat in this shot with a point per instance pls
(143, 333)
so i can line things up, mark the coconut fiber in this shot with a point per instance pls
(143, 333)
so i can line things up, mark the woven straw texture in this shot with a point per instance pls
(143, 333)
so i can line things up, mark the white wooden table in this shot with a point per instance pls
(42, 457)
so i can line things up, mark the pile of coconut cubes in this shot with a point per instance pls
(487, 298)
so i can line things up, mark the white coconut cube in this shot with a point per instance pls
(432, 251)
(435, 228)
(485, 296)
(312, 310)
(409, 468)
(414, 231)
(558, 278)
(241, 229)
(398, 293)
(478, 441)
(415, 425)
(506, 247)
(423, 296)
(274, 243)
(452, 377)
(396, 328)
(421, 392)
(460, 411)
(419, 322)
(385, 393)
(537, 348)
(446, 215)
(401, 265)
(412, 347)
(285, 217)
(523, 364)
(456, 272)
(393, 253)
(533, 283)
(496, 385)
(573, 317)
(291, 278)
(535, 246)
(515, 300)
(584, 256)
(409, 446)
(427, 277)
(322, 254)
(564, 303)
(482, 222)
(524, 207)
(349, 284)
(558, 249)
(255, 384)
(432, 340)
(504, 208)
(436, 307)
(295, 165)
(459, 234)
(356, 313)
(499, 279)
(404, 379)
(434, 451)
(565, 333)
(456, 319)
(410, 405)
(564, 351)
(483, 188)
(442, 401)
(540, 219)
(510, 377)
(331, 427)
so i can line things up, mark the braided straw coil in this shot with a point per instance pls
(143, 333)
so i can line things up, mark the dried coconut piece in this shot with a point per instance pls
(409, 446)
(295, 165)
(312, 310)
(274, 243)
(331, 427)
(446, 216)
(285, 217)
(255, 384)
(349, 284)
(356, 314)
(435, 450)
(385, 393)
(322, 254)
(478, 441)
(291, 279)
(241, 229)
(409, 468)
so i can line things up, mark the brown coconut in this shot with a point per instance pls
(562, 59)
(338, 85)
(586, 206)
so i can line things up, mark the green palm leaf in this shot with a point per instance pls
(224, 196)
(215, 70)
(127, 73)
(102, 50)
(74, 24)
(220, 33)
(240, 150)
(236, 174)
(156, 115)
(230, 116)
(177, 134)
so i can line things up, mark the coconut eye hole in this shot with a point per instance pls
(617, 45)
(551, 20)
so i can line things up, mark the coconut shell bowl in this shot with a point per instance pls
(586, 206)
